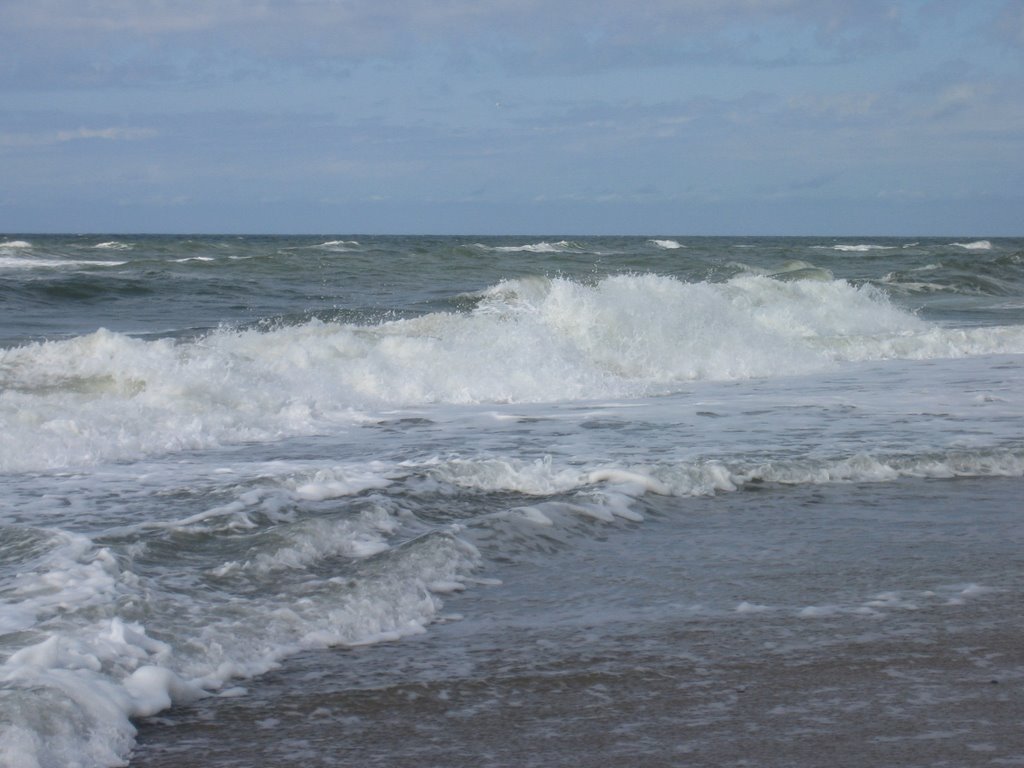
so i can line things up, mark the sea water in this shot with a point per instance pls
(352, 500)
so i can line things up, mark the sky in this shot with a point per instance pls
(684, 117)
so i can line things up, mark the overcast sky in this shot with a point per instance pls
(513, 116)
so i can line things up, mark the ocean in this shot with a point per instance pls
(511, 501)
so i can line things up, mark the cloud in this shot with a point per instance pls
(1009, 25)
(961, 96)
(115, 41)
(838, 107)
(147, 17)
(497, 101)
(110, 134)
(45, 138)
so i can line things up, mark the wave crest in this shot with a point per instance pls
(668, 245)
(108, 396)
(562, 246)
(977, 245)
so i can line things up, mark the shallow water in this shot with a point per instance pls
(864, 624)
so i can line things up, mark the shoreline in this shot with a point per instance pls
(638, 669)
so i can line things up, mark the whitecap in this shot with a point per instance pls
(860, 248)
(338, 245)
(561, 246)
(23, 263)
(977, 245)
(668, 245)
(16, 244)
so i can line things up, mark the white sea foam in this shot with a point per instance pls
(858, 248)
(83, 672)
(710, 477)
(13, 244)
(85, 663)
(113, 245)
(536, 516)
(110, 396)
(338, 246)
(888, 602)
(13, 263)
(59, 678)
(977, 245)
(537, 478)
(329, 485)
(668, 245)
(561, 246)
(713, 477)
(309, 542)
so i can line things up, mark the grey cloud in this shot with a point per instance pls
(78, 134)
(114, 41)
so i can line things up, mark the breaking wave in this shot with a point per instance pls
(108, 395)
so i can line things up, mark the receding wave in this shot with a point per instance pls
(101, 672)
(703, 478)
(141, 642)
(106, 395)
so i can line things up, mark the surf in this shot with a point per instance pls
(109, 395)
